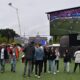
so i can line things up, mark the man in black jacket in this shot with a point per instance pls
(29, 51)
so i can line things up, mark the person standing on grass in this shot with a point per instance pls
(49, 60)
(13, 58)
(29, 51)
(52, 57)
(57, 58)
(77, 59)
(46, 52)
(3, 56)
(67, 60)
(39, 54)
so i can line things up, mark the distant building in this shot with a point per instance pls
(21, 39)
(38, 39)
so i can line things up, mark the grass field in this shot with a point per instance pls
(8, 75)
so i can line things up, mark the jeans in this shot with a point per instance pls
(28, 67)
(67, 66)
(52, 67)
(13, 64)
(49, 67)
(2, 65)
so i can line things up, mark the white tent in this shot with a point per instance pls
(54, 45)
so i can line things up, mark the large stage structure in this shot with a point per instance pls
(65, 22)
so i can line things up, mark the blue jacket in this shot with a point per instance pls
(39, 53)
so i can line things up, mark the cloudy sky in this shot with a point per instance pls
(32, 14)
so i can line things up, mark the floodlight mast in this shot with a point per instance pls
(17, 13)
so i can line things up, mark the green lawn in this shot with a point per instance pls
(7, 75)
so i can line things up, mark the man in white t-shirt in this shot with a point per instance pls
(2, 61)
(77, 59)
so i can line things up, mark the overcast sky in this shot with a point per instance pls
(32, 14)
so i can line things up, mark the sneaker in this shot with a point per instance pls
(38, 77)
(49, 72)
(35, 75)
(57, 70)
(54, 73)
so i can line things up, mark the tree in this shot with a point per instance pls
(9, 34)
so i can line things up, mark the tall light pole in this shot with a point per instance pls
(10, 4)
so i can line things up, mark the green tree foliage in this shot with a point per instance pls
(2, 39)
(7, 35)
(50, 41)
(55, 39)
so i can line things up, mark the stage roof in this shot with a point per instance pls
(63, 10)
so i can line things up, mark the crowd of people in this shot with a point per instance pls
(38, 58)
(8, 54)
(46, 59)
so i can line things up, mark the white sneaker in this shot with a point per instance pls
(35, 75)
(38, 77)
(54, 73)
(49, 72)
(57, 70)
